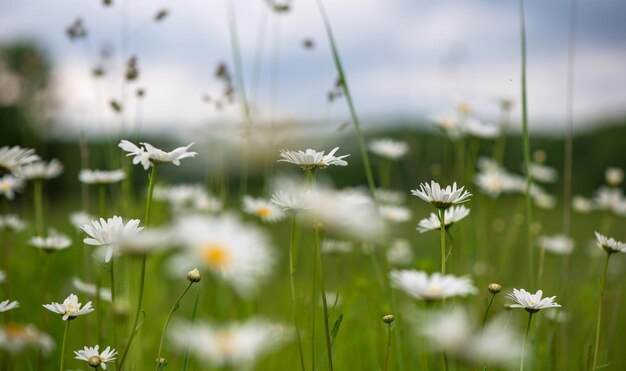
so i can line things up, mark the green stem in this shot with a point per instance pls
(292, 282)
(493, 295)
(67, 325)
(318, 254)
(346, 89)
(388, 347)
(102, 196)
(313, 301)
(442, 218)
(114, 322)
(385, 172)
(598, 323)
(167, 321)
(38, 200)
(521, 364)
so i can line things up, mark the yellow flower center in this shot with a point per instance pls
(263, 212)
(433, 290)
(215, 256)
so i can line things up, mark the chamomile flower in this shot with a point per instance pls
(452, 215)
(396, 214)
(70, 308)
(532, 303)
(312, 159)
(263, 209)
(389, 148)
(239, 253)
(559, 244)
(109, 232)
(91, 289)
(614, 176)
(421, 286)
(14, 338)
(610, 245)
(94, 357)
(289, 200)
(148, 155)
(11, 223)
(13, 158)
(89, 176)
(187, 197)
(10, 184)
(7, 305)
(441, 198)
(41, 170)
(51, 243)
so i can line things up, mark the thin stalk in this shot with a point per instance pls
(521, 363)
(346, 90)
(102, 196)
(442, 218)
(385, 173)
(67, 325)
(133, 330)
(493, 295)
(313, 297)
(388, 347)
(292, 282)
(542, 255)
(38, 201)
(598, 322)
(526, 145)
(500, 147)
(103, 211)
(318, 254)
(167, 322)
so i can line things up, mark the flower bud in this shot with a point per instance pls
(94, 361)
(494, 288)
(161, 362)
(194, 275)
(388, 318)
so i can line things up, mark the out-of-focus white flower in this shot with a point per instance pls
(610, 245)
(110, 232)
(11, 223)
(387, 196)
(239, 253)
(330, 246)
(148, 155)
(80, 218)
(441, 198)
(421, 286)
(582, 204)
(10, 184)
(89, 176)
(312, 159)
(3, 276)
(51, 243)
(87, 354)
(264, 209)
(493, 180)
(91, 289)
(479, 129)
(559, 244)
(14, 338)
(452, 215)
(531, 302)
(558, 316)
(187, 197)
(13, 158)
(41, 170)
(396, 214)
(229, 345)
(400, 253)
(70, 308)
(449, 124)
(7, 305)
(389, 148)
(544, 200)
(614, 176)
(144, 242)
(288, 201)
(543, 173)
(610, 199)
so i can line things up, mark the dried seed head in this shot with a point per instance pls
(494, 288)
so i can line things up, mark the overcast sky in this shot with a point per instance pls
(405, 59)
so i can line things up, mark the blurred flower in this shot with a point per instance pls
(41, 170)
(614, 176)
(495, 180)
(330, 246)
(187, 197)
(11, 222)
(8, 305)
(264, 209)
(542, 173)
(14, 338)
(91, 289)
(70, 308)
(51, 243)
(544, 200)
(531, 302)
(13, 158)
(558, 316)
(479, 129)
(400, 253)
(289, 201)
(394, 213)
(312, 159)
(452, 215)
(229, 345)
(89, 176)
(80, 218)
(441, 198)
(144, 242)
(389, 148)
(448, 123)
(387, 196)
(100, 360)
(10, 184)
(559, 244)
(150, 155)
(109, 232)
(238, 253)
(581, 204)
(430, 288)
(610, 199)
(610, 245)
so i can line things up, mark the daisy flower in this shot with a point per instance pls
(89, 176)
(148, 155)
(609, 199)
(94, 357)
(80, 218)
(41, 170)
(51, 243)
(479, 129)
(239, 253)
(264, 209)
(389, 148)
(533, 303)
(91, 289)
(10, 184)
(449, 124)
(187, 197)
(494, 180)
(452, 215)
(12, 158)
(70, 308)
(312, 159)
(614, 176)
(582, 204)
(430, 288)
(397, 214)
(109, 232)
(14, 338)
(610, 245)
(11, 223)
(543, 173)
(8, 305)
(288, 201)
(400, 253)
(559, 244)
(441, 198)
